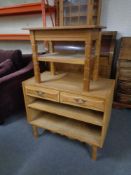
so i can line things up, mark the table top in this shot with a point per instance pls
(67, 27)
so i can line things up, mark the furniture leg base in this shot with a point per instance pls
(94, 153)
(35, 131)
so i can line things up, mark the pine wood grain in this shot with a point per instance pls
(70, 128)
(80, 114)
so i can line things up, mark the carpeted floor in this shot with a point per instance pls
(21, 154)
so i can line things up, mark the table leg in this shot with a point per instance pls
(94, 152)
(35, 131)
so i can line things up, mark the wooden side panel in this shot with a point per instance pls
(30, 113)
(107, 114)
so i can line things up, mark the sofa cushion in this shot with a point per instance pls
(14, 55)
(6, 67)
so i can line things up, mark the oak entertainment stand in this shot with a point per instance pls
(77, 105)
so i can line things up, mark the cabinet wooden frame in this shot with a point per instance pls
(79, 115)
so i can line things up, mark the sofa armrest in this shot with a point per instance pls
(19, 75)
(27, 58)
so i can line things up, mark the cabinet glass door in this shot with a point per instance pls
(75, 12)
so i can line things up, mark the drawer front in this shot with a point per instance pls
(82, 101)
(43, 93)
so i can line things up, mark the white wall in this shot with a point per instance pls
(15, 24)
(116, 15)
(13, 2)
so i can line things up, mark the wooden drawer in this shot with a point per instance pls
(82, 101)
(123, 98)
(43, 93)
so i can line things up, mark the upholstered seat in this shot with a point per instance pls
(14, 68)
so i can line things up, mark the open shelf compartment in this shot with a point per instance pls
(80, 114)
(71, 128)
(63, 58)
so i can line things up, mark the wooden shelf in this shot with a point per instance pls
(14, 37)
(63, 58)
(68, 127)
(85, 115)
(27, 8)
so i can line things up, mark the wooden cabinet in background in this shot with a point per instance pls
(123, 89)
(108, 43)
(79, 12)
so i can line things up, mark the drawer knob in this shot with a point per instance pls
(80, 101)
(40, 93)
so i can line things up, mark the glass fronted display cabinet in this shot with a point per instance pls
(79, 12)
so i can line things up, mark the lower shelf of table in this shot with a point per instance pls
(81, 131)
(63, 58)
